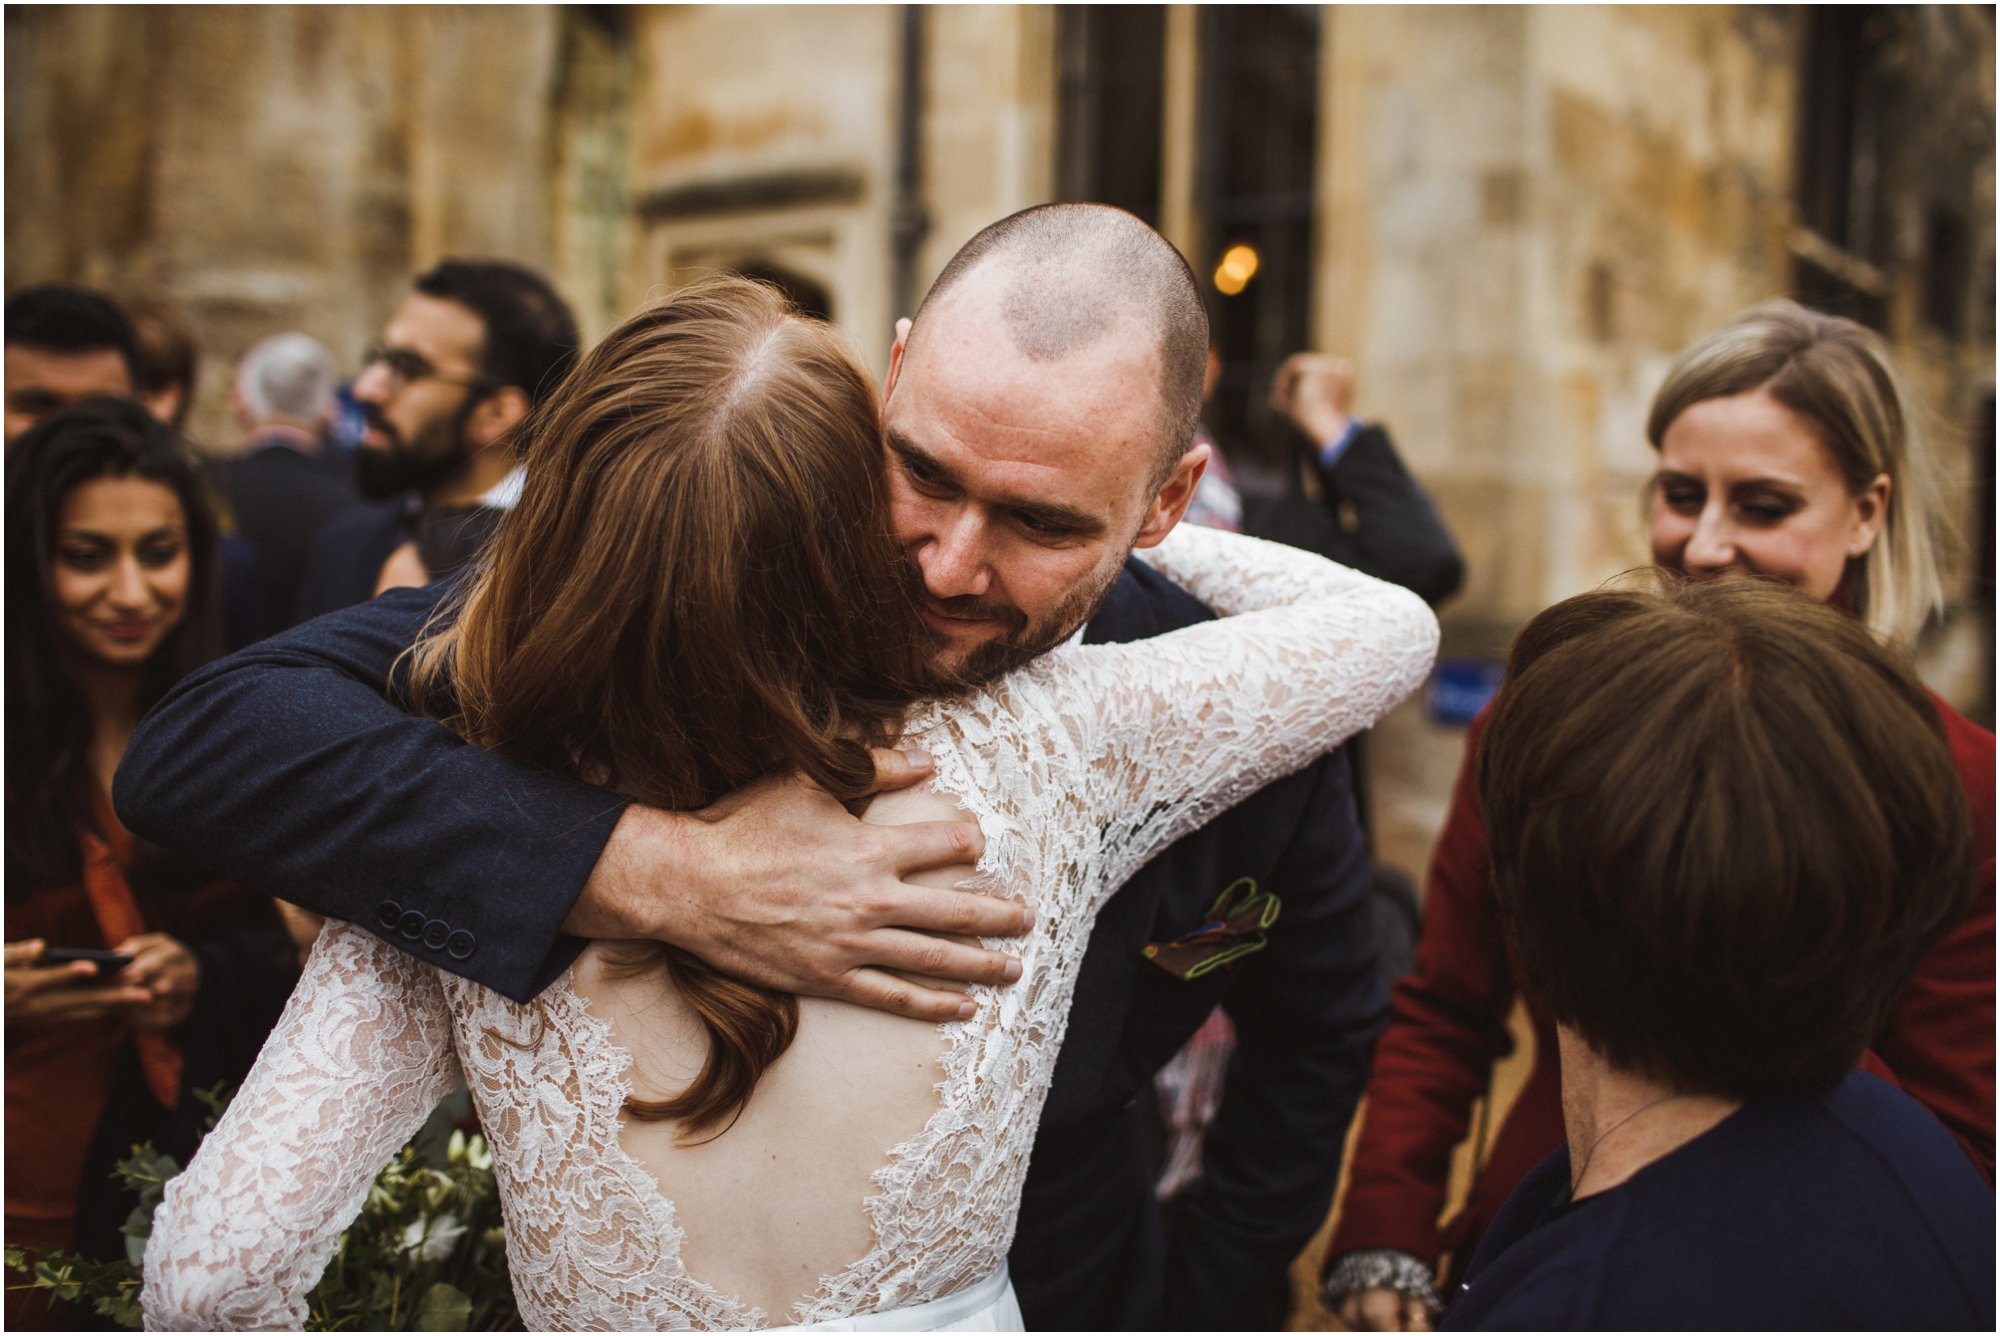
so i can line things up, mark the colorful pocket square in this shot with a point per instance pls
(1234, 928)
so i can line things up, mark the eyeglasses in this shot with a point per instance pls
(406, 367)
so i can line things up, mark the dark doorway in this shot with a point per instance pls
(1254, 174)
(1113, 84)
(1846, 116)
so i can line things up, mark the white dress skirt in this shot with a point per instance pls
(988, 1306)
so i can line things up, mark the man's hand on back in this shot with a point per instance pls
(779, 884)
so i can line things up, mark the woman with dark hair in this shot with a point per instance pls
(1788, 452)
(110, 579)
(701, 590)
(1725, 830)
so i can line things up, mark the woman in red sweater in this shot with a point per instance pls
(1785, 452)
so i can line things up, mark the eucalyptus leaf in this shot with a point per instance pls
(445, 1308)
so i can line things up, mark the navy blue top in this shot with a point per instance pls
(1851, 1210)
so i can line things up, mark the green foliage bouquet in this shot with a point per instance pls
(428, 1252)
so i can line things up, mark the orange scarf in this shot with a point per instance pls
(118, 917)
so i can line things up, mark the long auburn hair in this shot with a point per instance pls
(48, 717)
(699, 587)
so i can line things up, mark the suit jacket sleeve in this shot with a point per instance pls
(1396, 534)
(292, 767)
(1306, 1017)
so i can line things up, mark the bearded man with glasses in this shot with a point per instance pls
(471, 350)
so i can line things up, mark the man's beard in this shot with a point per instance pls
(1019, 642)
(439, 454)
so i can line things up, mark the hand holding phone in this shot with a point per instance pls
(43, 993)
(168, 974)
(107, 962)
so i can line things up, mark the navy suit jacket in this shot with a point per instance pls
(1370, 514)
(1093, 1251)
(472, 862)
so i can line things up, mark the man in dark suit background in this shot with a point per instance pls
(1362, 508)
(1355, 502)
(481, 866)
(287, 483)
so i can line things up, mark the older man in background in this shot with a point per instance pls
(287, 484)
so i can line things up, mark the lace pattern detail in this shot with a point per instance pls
(587, 1229)
(217, 1260)
(1077, 768)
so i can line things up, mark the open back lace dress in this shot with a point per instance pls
(1078, 768)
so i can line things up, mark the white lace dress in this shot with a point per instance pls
(1078, 769)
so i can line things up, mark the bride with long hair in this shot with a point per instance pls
(700, 588)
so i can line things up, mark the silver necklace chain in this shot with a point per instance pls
(1584, 1168)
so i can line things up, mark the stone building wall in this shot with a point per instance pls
(1526, 213)
(989, 121)
(1523, 212)
(780, 143)
(756, 139)
(274, 168)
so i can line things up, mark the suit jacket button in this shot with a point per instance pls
(461, 944)
(388, 913)
(435, 933)
(411, 925)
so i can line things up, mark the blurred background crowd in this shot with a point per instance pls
(1492, 228)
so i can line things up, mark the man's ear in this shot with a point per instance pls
(896, 357)
(1174, 496)
(498, 413)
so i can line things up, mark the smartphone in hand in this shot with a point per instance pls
(107, 962)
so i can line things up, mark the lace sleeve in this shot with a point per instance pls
(1305, 655)
(361, 1056)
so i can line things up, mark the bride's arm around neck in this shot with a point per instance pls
(1304, 654)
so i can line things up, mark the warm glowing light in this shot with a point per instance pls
(1238, 267)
